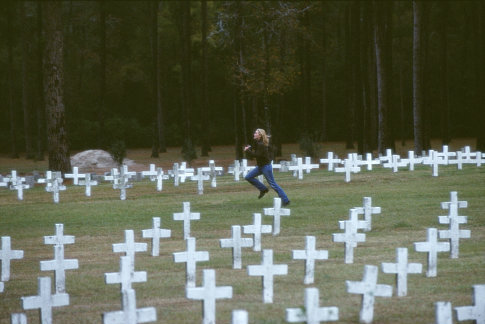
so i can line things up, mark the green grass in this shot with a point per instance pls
(410, 203)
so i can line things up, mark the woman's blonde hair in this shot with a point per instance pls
(264, 137)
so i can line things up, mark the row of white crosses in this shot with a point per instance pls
(45, 300)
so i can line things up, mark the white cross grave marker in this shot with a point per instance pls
(386, 158)
(212, 171)
(454, 233)
(350, 237)
(443, 313)
(236, 170)
(191, 257)
(200, 177)
(434, 160)
(156, 233)
(276, 212)
(412, 160)
(186, 216)
(312, 313)
(239, 316)
(369, 289)
(6, 255)
(446, 154)
(369, 161)
(308, 166)
(126, 276)
(130, 247)
(17, 184)
(45, 301)
(257, 229)
(53, 181)
(348, 168)
(309, 254)
(2, 286)
(156, 175)
(130, 314)
(75, 176)
(236, 243)
(432, 246)
(476, 312)
(395, 163)
(367, 210)
(330, 160)
(87, 182)
(354, 217)
(18, 318)
(124, 181)
(401, 268)
(59, 265)
(209, 293)
(267, 270)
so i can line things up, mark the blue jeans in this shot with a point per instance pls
(267, 171)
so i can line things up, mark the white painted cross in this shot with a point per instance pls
(88, 183)
(309, 254)
(239, 316)
(330, 160)
(369, 289)
(186, 216)
(348, 168)
(156, 175)
(53, 181)
(236, 243)
(454, 233)
(209, 293)
(2, 286)
(156, 233)
(257, 228)
(395, 163)
(212, 171)
(126, 276)
(59, 265)
(114, 176)
(443, 313)
(369, 161)
(185, 172)
(191, 257)
(367, 210)
(130, 314)
(18, 318)
(434, 160)
(308, 166)
(267, 270)
(276, 212)
(401, 268)
(412, 160)
(236, 170)
(354, 217)
(17, 184)
(432, 246)
(75, 176)
(350, 237)
(475, 312)
(446, 154)
(45, 301)
(6, 255)
(312, 313)
(200, 177)
(124, 181)
(386, 158)
(130, 247)
(297, 168)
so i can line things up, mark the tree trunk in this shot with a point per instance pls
(40, 106)
(102, 78)
(366, 40)
(323, 124)
(26, 93)
(58, 147)
(480, 130)
(10, 81)
(445, 108)
(383, 77)
(418, 56)
(357, 108)
(155, 80)
(205, 108)
(350, 93)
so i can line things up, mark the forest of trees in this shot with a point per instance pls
(89, 74)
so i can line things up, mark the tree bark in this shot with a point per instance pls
(445, 108)
(323, 85)
(59, 159)
(155, 80)
(205, 108)
(350, 93)
(26, 93)
(383, 77)
(418, 56)
(102, 77)
(10, 81)
(357, 108)
(40, 106)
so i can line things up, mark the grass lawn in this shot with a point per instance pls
(410, 202)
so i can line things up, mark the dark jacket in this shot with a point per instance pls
(260, 152)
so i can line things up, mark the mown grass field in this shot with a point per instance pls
(410, 203)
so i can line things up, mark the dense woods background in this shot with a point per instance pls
(93, 74)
